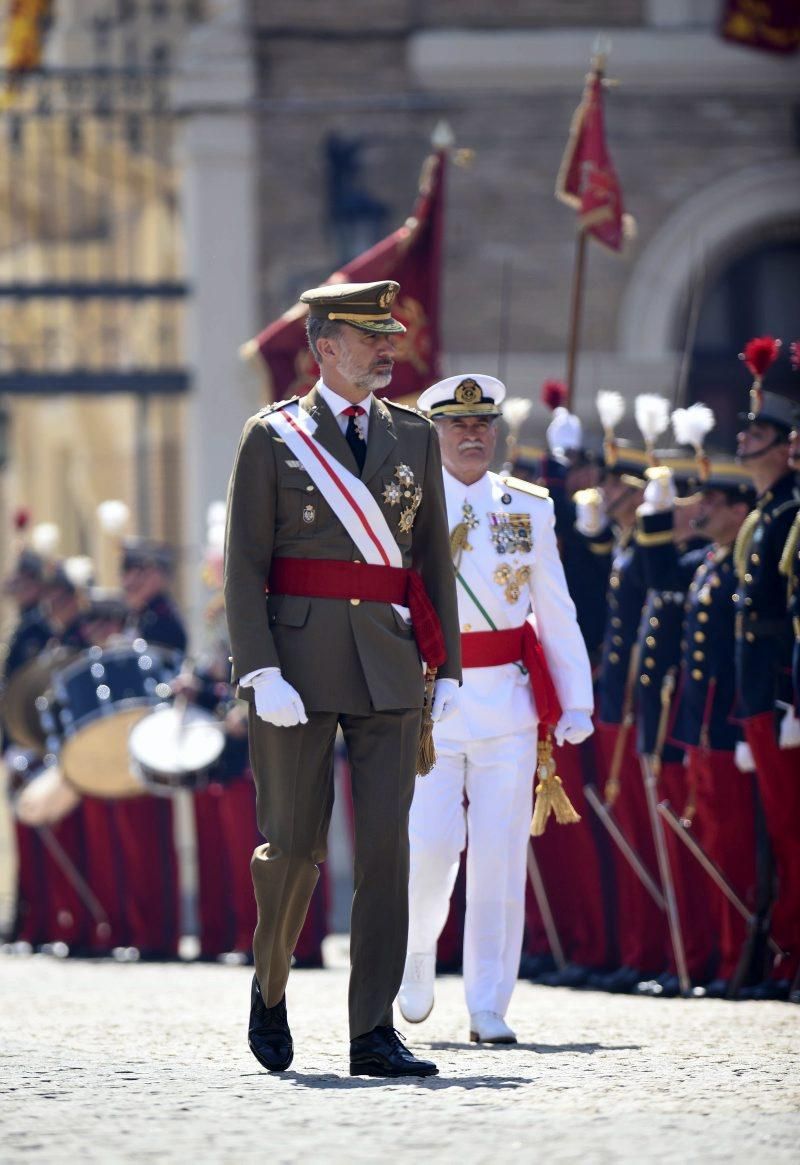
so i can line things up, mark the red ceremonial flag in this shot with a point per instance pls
(773, 25)
(587, 180)
(412, 255)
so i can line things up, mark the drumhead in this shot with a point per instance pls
(95, 760)
(173, 745)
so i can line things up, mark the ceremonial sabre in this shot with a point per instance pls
(718, 878)
(540, 894)
(651, 767)
(625, 847)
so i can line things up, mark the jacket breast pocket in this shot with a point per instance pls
(299, 505)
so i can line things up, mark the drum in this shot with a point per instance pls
(94, 703)
(46, 798)
(174, 747)
(21, 701)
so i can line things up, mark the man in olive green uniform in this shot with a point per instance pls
(336, 506)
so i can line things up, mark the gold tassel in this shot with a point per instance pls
(426, 753)
(550, 794)
(744, 540)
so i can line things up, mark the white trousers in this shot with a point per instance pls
(496, 778)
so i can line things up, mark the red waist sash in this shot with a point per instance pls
(515, 645)
(327, 578)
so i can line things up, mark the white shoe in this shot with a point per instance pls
(487, 1027)
(415, 998)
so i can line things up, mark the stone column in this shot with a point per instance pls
(217, 154)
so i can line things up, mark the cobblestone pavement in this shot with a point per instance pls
(107, 1062)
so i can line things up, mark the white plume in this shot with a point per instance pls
(79, 570)
(113, 516)
(215, 514)
(515, 411)
(611, 408)
(45, 537)
(652, 415)
(691, 426)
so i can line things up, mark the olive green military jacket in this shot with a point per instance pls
(340, 656)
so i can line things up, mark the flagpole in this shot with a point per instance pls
(575, 313)
(600, 51)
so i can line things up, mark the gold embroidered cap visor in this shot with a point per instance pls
(467, 395)
(362, 305)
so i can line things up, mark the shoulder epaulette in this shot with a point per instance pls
(526, 487)
(279, 404)
(395, 404)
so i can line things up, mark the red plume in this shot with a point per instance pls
(22, 518)
(759, 354)
(554, 393)
(794, 354)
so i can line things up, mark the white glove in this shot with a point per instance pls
(276, 701)
(573, 727)
(743, 757)
(659, 493)
(789, 736)
(445, 698)
(590, 512)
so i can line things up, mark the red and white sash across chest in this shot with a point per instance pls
(346, 494)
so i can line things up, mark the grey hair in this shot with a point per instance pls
(319, 329)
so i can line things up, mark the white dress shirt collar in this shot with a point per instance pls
(337, 404)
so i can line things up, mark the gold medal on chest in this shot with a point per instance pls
(512, 580)
(404, 492)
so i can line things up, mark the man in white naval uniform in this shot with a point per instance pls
(508, 571)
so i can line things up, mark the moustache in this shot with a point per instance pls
(465, 446)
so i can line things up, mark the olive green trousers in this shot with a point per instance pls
(293, 770)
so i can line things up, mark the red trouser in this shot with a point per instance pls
(105, 872)
(778, 776)
(50, 908)
(698, 920)
(570, 867)
(144, 826)
(642, 929)
(214, 904)
(724, 822)
(237, 814)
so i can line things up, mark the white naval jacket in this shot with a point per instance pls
(497, 701)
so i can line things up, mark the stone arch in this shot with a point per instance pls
(710, 228)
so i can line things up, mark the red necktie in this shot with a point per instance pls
(353, 436)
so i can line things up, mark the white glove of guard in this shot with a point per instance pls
(573, 727)
(743, 757)
(789, 736)
(590, 512)
(659, 493)
(445, 698)
(276, 701)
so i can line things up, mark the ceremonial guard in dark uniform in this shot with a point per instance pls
(670, 554)
(720, 807)
(581, 904)
(764, 642)
(608, 521)
(146, 823)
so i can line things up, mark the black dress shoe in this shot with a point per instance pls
(573, 975)
(268, 1034)
(381, 1052)
(619, 982)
